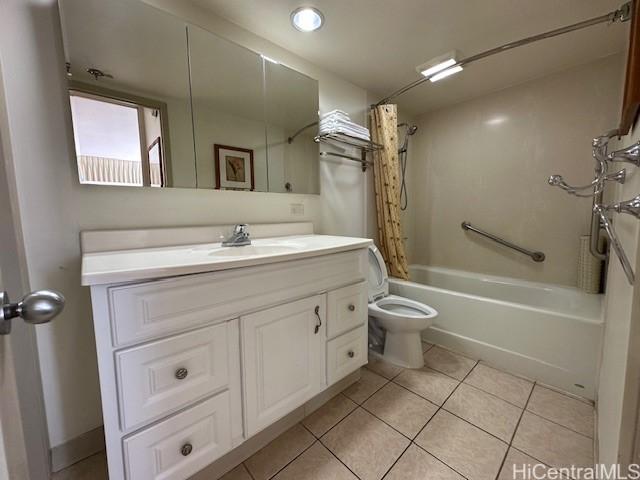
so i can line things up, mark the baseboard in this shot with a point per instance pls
(76, 449)
(238, 455)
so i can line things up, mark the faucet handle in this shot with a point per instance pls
(241, 229)
(632, 207)
(630, 155)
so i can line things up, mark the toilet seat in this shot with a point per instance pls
(383, 305)
(400, 308)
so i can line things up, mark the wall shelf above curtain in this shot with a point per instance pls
(342, 140)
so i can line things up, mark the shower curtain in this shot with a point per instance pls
(384, 129)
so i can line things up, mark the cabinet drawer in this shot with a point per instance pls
(346, 308)
(346, 353)
(157, 378)
(178, 447)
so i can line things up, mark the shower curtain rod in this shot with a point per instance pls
(620, 15)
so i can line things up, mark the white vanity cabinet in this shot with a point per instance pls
(191, 366)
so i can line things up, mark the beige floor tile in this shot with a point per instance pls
(384, 368)
(321, 421)
(453, 364)
(426, 346)
(508, 387)
(365, 444)
(522, 464)
(91, 468)
(485, 411)
(465, 448)
(238, 473)
(551, 443)
(317, 463)
(562, 409)
(368, 384)
(416, 464)
(427, 383)
(266, 462)
(403, 410)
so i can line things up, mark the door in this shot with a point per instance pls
(284, 358)
(24, 447)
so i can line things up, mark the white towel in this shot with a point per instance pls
(336, 114)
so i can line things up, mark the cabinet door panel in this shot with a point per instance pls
(284, 359)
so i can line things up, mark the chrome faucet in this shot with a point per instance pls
(239, 237)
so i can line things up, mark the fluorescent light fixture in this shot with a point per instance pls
(445, 73)
(440, 67)
(307, 19)
(437, 67)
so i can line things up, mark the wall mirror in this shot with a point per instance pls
(157, 102)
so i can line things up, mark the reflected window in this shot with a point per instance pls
(117, 142)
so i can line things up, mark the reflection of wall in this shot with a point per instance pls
(181, 140)
(215, 127)
(487, 161)
(301, 162)
(54, 207)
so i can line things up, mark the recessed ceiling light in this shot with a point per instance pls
(307, 19)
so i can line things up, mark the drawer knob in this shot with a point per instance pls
(351, 354)
(182, 373)
(186, 449)
(352, 307)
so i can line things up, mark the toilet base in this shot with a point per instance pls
(404, 349)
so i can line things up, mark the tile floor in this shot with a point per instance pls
(453, 419)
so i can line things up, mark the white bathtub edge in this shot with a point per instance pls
(510, 361)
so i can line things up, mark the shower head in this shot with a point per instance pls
(411, 129)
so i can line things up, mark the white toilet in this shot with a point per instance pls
(401, 318)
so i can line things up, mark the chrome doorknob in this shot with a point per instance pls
(35, 308)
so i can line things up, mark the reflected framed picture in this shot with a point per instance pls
(233, 168)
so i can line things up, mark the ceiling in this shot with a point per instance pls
(376, 44)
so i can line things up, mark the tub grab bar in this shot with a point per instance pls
(535, 256)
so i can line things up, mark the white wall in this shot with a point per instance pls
(55, 208)
(618, 384)
(487, 161)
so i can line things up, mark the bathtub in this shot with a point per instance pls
(545, 332)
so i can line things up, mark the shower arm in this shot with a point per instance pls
(598, 182)
(599, 153)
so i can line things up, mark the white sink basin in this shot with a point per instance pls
(252, 250)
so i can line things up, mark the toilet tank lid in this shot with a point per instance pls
(378, 278)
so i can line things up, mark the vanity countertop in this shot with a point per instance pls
(150, 263)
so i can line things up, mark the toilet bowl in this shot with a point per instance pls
(402, 319)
